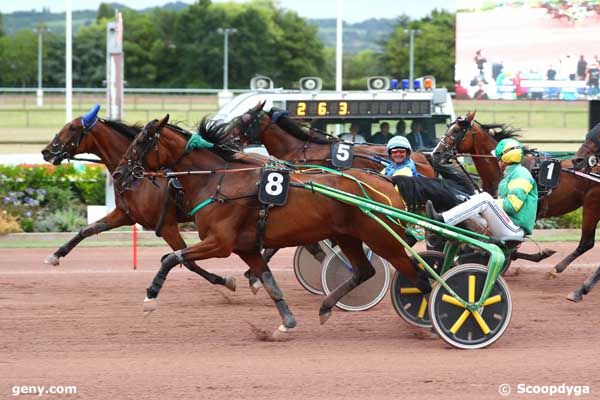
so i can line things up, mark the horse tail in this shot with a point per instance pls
(417, 190)
(455, 175)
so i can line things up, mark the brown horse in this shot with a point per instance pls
(286, 140)
(466, 135)
(586, 161)
(109, 140)
(221, 192)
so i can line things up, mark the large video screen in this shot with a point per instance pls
(527, 49)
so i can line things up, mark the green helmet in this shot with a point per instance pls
(509, 150)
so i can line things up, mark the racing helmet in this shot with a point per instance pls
(509, 150)
(399, 142)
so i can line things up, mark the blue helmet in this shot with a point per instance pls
(399, 142)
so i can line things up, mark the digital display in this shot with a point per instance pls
(358, 108)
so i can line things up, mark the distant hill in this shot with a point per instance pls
(18, 20)
(365, 35)
(357, 37)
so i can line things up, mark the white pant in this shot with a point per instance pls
(482, 205)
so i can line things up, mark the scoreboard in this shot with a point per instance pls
(358, 108)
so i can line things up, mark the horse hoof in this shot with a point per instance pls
(289, 322)
(149, 306)
(52, 260)
(548, 252)
(574, 297)
(281, 334)
(255, 286)
(230, 283)
(324, 316)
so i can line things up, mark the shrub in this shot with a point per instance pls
(36, 193)
(67, 220)
(8, 223)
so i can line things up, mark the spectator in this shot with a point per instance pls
(581, 68)
(460, 92)
(480, 94)
(401, 128)
(416, 137)
(520, 91)
(480, 60)
(593, 78)
(353, 136)
(497, 68)
(384, 135)
(551, 73)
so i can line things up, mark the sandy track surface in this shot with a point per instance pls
(81, 325)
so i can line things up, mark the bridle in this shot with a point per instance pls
(592, 159)
(65, 150)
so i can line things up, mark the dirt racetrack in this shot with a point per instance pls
(81, 325)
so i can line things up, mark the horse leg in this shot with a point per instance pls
(210, 247)
(362, 270)
(577, 295)
(591, 215)
(114, 219)
(316, 251)
(171, 235)
(258, 265)
(253, 280)
(535, 257)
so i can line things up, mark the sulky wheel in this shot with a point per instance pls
(408, 301)
(307, 266)
(476, 256)
(337, 269)
(460, 327)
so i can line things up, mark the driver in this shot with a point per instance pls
(399, 150)
(512, 214)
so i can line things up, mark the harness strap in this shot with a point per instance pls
(163, 211)
(261, 225)
(201, 206)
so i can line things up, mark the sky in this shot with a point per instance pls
(353, 10)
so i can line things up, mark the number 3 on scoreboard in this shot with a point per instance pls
(343, 108)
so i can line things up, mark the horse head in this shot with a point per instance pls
(456, 137)
(135, 161)
(246, 128)
(587, 155)
(70, 140)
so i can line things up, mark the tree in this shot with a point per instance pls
(142, 49)
(434, 49)
(105, 11)
(1, 26)
(18, 61)
(89, 56)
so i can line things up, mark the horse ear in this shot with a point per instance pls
(91, 117)
(259, 106)
(471, 115)
(163, 121)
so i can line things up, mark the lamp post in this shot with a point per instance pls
(40, 30)
(411, 73)
(225, 95)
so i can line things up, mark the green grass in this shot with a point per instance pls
(21, 121)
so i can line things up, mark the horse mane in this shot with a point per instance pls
(216, 133)
(294, 129)
(417, 190)
(501, 131)
(129, 131)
